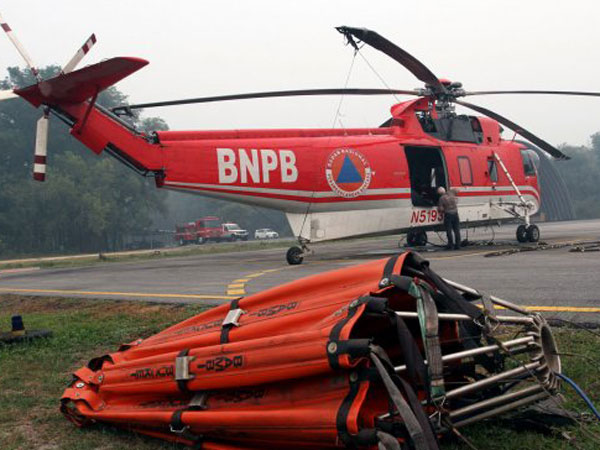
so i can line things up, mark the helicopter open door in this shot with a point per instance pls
(427, 172)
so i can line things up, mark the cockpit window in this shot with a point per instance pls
(530, 162)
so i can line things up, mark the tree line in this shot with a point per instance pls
(88, 203)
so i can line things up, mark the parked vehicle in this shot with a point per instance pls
(232, 232)
(185, 234)
(209, 229)
(265, 233)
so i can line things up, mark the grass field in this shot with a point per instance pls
(34, 375)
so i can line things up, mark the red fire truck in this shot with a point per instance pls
(186, 233)
(200, 231)
(209, 229)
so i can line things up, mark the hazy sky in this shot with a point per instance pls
(198, 48)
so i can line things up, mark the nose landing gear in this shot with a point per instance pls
(295, 255)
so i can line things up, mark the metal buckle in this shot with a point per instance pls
(232, 318)
(183, 430)
(182, 368)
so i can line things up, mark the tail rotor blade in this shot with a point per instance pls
(6, 95)
(76, 59)
(13, 38)
(41, 147)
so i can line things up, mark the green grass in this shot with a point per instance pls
(34, 375)
(170, 252)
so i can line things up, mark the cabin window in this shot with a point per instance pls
(464, 168)
(493, 170)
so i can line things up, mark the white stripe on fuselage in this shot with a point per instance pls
(244, 195)
(329, 194)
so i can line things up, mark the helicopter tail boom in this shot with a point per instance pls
(73, 95)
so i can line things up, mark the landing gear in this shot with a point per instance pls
(416, 238)
(522, 233)
(533, 233)
(528, 233)
(294, 256)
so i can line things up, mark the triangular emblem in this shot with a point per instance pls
(348, 172)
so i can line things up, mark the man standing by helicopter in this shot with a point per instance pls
(447, 205)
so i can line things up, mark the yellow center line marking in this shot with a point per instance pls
(236, 292)
(236, 285)
(462, 255)
(122, 294)
(585, 309)
(241, 280)
(553, 308)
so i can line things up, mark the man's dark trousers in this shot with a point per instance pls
(451, 223)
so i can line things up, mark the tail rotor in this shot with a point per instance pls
(41, 147)
(43, 124)
(79, 54)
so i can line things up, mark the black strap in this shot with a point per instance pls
(334, 335)
(387, 441)
(401, 282)
(415, 404)
(427, 438)
(225, 329)
(342, 415)
(451, 301)
(413, 426)
(388, 271)
(181, 429)
(415, 364)
(365, 437)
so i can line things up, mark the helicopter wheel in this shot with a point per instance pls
(533, 233)
(294, 256)
(416, 238)
(522, 233)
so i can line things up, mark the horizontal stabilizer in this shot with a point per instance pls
(79, 85)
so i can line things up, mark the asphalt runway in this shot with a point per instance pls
(560, 283)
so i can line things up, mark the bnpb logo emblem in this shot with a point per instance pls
(348, 172)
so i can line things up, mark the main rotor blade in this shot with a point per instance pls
(375, 40)
(556, 153)
(583, 93)
(268, 94)
(78, 56)
(20, 48)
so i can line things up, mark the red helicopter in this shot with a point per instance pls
(331, 183)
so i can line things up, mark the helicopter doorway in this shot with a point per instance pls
(427, 172)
